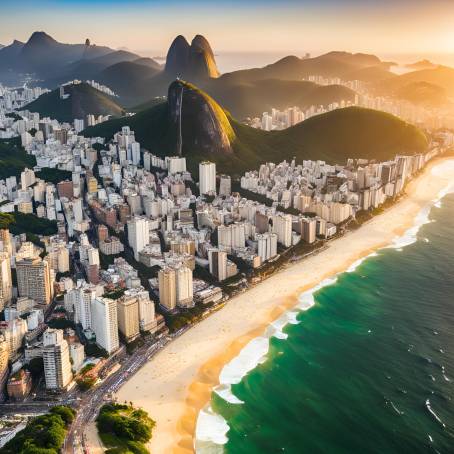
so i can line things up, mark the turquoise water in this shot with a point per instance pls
(368, 369)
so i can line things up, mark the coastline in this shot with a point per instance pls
(177, 383)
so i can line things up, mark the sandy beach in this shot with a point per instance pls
(178, 381)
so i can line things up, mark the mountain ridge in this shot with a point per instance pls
(83, 100)
(334, 137)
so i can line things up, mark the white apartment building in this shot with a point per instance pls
(282, 226)
(138, 234)
(57, 364)
(266, 245)
(207, 177)
(176, 164)
(184, 287)
(105, 323)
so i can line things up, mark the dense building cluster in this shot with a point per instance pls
(133, 237)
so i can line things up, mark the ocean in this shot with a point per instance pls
(364, 364)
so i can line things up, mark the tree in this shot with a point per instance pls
(66, 413)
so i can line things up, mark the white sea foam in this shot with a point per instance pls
(211, 432)
(212, 428)
(225, 392)
(358, 262)
(433, 413)
(410, 236)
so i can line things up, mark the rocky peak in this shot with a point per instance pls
(191, 61)
(204, 124)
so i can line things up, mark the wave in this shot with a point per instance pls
(358, 262)
(212, 428)
(210, 432)
(422, 218)
(437, 418)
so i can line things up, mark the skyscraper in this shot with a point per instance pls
(6, 285)
(147, 315)
(105, 323)
(34, 279)
(184, 287)
(225, 185)
(57, 364)
(207, 177)
(218, 264)
(167, 288)
(282, 226)
(128, 316)
(138, 234)
(4, 369)
(5, 239)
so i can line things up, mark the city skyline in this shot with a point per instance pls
(285, 27)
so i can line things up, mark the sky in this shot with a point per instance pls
(279, 26)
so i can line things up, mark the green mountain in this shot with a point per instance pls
(210, 132)
(83, 100)
(253, 98)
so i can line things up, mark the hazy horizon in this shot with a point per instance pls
(418, 27)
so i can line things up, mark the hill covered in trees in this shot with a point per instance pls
(83, 100)
(335, 136)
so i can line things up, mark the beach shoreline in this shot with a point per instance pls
(177, 383)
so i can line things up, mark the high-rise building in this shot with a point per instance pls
(176, 164)
(105, 323)
(339, 212)
(138, 234)
(4, 369)
(5, 240)
(77, 353)
(147, 315)
(34, 279)
(6, 284)
(218, 264)
(266, 245)
(13, 332)
(184, 287)
(309, 229)
(225, 185)
(79, 125)
(83, 300)
(128, 316)
(27, 178)
(58, 254)
(282, 226)
(167, 288)
(57, 364)
(207, 177)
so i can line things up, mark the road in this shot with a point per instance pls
(91, 401)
